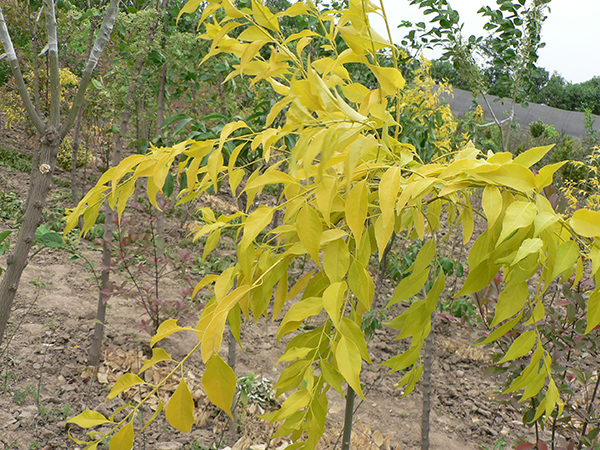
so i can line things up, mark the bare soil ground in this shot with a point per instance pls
(44, 378)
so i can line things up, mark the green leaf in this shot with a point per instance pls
(502, 330)
(586, 223)
(180, 409)
(51, 240)
(349, 363)
(88, 419)
(5, 234)
(219, 384)
(123, 440)
(158, 355)
(125, 382)
(520, 347)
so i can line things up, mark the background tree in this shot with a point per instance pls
(52, 130)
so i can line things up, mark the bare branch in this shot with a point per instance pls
(16, 71)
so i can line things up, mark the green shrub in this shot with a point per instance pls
(84, 156)
(537, 128)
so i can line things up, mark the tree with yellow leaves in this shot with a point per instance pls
(348, 183)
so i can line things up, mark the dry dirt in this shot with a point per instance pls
(44, 379)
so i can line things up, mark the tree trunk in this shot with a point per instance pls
(18, 258)
(94, 351)
(426, 380)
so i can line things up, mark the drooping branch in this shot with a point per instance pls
(13, 61)
(101, 41)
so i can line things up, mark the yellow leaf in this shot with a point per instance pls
(390, 79)
(492, 204)
(125, 382)
(158, 355)
(545, 176)
(467, 223)
(253, 33)
(180, 409)
(520, 347)
(349, 363)
(167, 328)
(566, 257)
(543, 220)
(502, 330)
(336, 260)
(324, 195)
(518, 215)
(189, 7)
(309, 231)
(299, 312)
(333, 300)
(514, 176)
(356, 209)
(593, 310)
(88, 419)
(264, 17)
(529, 157)
(294, 353)
(361, 284)
(295, 402)
(352, 331)
(123, 440)
(255, 223)
(528, 246)
(389, 187)
(219, 383)
(510, 301)
(586, 223)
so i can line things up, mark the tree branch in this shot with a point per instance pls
(110, 16)
(53, 63)
(16, 71)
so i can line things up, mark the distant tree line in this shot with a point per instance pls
(545, 89)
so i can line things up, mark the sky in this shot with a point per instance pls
(571, 32)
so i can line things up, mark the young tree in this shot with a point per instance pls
(348, 185)
(52, 130)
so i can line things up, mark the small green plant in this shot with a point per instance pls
(35, 445)
(255, 389)
(22, 396)
(11, 206)
(500, 444)
(15, 161)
